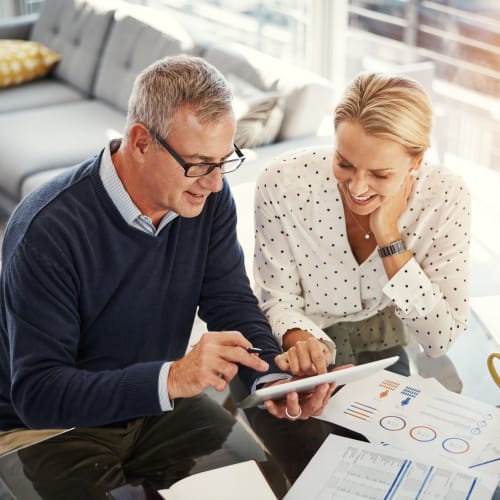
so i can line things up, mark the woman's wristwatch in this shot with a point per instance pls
(392, 249)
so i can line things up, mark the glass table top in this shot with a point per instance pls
(50, 469)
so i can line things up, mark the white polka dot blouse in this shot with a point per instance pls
(307, 277)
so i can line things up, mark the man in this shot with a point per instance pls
(104, 269)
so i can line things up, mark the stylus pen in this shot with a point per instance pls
(256, 350)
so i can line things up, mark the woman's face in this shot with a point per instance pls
(368, 169)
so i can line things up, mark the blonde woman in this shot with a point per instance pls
(362, 244)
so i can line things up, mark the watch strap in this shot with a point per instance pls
(393, 248)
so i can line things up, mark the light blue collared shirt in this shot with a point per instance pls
(134, 217)
(120, 197)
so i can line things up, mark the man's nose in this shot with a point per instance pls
(213, 181)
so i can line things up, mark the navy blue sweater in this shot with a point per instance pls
(90, 307)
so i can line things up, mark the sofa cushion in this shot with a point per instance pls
(71, 133)
(24, 60)
(139, 36)
(38, 93)
(260, 124)
(75, 29)
(258, 113)
(307, 95)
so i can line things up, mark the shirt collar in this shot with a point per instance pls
(120, 197)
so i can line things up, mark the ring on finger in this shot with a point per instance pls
(293, 417)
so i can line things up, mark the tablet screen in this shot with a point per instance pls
(306, 384)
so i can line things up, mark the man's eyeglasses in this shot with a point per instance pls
(202, 168)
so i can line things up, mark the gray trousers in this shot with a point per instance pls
(88, 463)
(380, 336)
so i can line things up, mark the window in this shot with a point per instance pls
(277, 27)
(461, 37)
(19, 7)
(460, 41)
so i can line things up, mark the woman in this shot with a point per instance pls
(360, 245)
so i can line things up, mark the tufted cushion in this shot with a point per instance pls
(22, 61)
(307, 96)
(75, 29)
(139, 36)
(52, 137)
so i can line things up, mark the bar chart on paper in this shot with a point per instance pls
(418, 415)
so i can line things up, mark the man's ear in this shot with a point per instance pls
(139, 140)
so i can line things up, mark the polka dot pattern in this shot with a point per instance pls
(307, 277)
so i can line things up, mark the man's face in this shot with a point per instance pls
(167, 186)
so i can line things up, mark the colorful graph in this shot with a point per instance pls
(423, 433)
(392, 423)
(360, 410)
(388, 386)
(410, 393)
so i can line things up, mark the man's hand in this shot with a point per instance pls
(306, 355)
(213, 362)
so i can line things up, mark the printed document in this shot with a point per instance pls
(347, 469)
(420, 416)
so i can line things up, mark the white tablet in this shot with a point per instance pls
(308, 383)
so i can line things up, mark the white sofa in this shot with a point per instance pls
(52, 123)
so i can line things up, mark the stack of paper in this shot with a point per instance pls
(422, 418)
(346, 469)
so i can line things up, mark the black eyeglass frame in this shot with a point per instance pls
(211, 166)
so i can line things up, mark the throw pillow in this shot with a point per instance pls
(258, 113)
(22, 61)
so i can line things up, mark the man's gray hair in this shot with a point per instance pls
(166, 85)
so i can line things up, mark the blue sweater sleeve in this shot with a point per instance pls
(48, 388)
(227, 301)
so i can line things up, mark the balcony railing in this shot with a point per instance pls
(463, 45)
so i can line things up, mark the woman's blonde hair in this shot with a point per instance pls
(389, 106)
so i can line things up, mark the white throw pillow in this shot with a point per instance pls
(259, 113)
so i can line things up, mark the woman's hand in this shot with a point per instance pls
(304, 405)
(305, 354)
(301, 406)
(384, 220)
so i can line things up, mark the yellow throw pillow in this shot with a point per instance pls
(22, 61)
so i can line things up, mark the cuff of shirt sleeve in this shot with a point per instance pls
(280, 327)
(166, 403)
(271, 377)
(411, 290)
